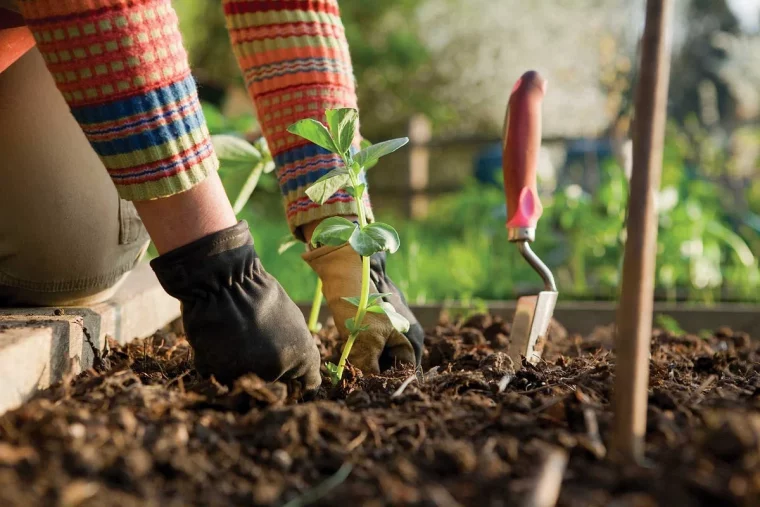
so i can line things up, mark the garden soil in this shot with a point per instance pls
(143, 429)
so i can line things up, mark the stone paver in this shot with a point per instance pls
(38, 346)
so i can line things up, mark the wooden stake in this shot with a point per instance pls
(634, 319)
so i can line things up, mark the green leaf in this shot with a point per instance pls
(247, 189)
(398, 321)
(356, 169)
(266, 155)
(374, 238)
(327, 185)
(342, 123)
(286, 243)
(241, 166)
(364, 144)
(356, 192)
(215, 120)
(733, 240)
(315, 132)
(352, 327)
(370, 301)
(234, 151)
(332, 372)
(333, 231)
(368, 157)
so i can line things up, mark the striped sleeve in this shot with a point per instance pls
(294, 57)
(122, 68)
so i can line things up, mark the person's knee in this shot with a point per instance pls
(62, 226)
(63, 261)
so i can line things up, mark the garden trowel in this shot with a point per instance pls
(522, 142)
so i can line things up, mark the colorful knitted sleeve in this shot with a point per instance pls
(123, 70)
(295, 61)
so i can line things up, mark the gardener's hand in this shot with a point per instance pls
(237, 317)
(382, 346)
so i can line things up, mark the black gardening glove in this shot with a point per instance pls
(415, 335)
(236, 316)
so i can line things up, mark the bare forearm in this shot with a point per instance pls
(183, 218)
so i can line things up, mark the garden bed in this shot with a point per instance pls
(143, 429)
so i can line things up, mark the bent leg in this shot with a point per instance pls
(65, 236)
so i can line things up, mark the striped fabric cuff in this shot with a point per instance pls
(295, 61)
(154, 144)
(123, 70)
(297, 169)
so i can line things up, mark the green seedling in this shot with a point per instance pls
(367, 239)
(241, 165)
(316, 302)
(669, 324)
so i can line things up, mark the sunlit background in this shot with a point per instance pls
(448, 65)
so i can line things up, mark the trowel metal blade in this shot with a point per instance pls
(531, 322)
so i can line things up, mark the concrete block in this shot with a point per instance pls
(38, 346)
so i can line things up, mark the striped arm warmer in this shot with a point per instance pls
(295, 61)
(123, 70)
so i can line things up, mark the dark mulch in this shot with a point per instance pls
(143, 429)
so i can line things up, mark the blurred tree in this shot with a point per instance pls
(695, 83)
(393, 68)
(205, 35)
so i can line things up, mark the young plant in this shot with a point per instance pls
(365, 238)
(316, 302)
(241, 166)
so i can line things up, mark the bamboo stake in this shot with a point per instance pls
(634, 319)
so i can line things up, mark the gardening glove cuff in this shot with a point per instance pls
(381, 346)
(236, 316)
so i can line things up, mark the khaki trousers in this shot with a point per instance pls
(65, 236)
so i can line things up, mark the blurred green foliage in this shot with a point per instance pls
(204, 33)
(461, 253)
(391, 65)
(706, 236)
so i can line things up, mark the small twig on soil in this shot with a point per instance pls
(592, 430)
(179, 379)
(432, 372)
(442, 497)
(549, 481)
(403, 386)
(504, 382)
(373, 428)
(322, 489)
(548, 386)
(548, 404)
(353, 444)
(696, 397)
(421, 435)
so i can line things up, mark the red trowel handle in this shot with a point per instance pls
(522, 142)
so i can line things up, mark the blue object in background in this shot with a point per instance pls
(488, 161)
(579, 149)
(488, 165)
